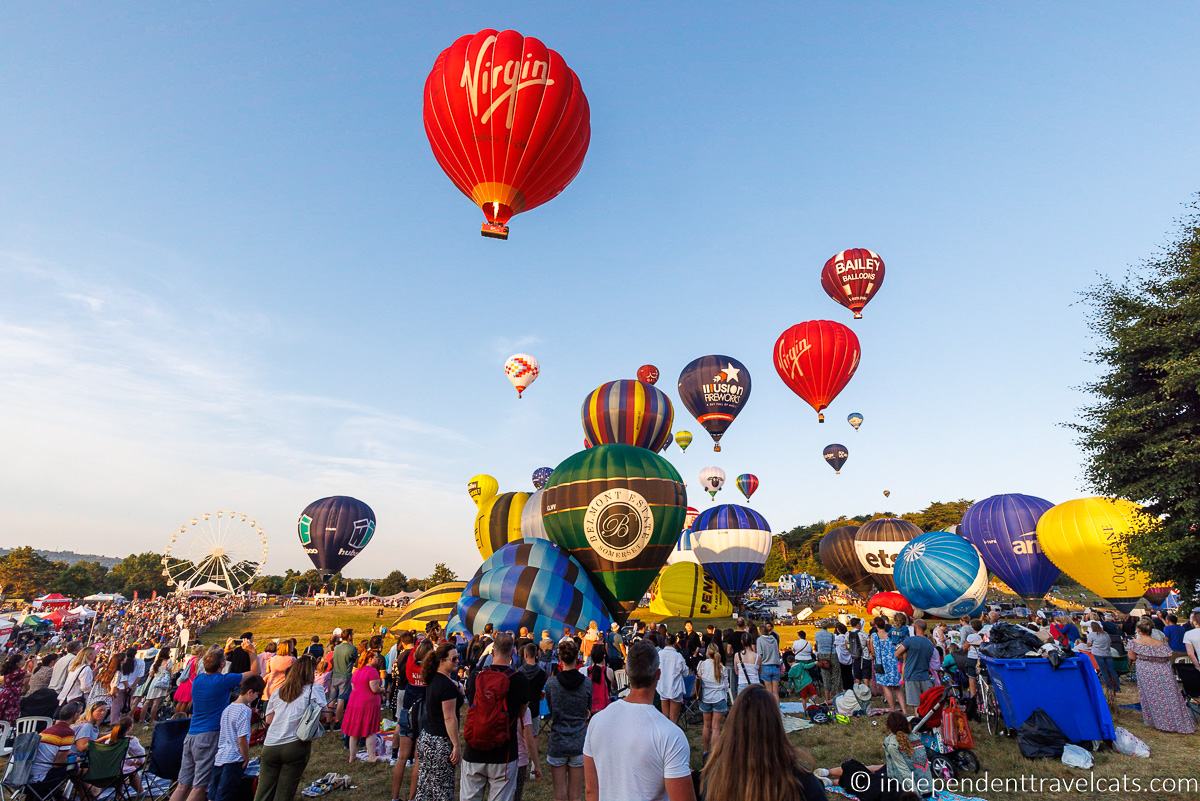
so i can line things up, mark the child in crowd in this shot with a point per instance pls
(233, 743)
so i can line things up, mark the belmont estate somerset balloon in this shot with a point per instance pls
(508, 123)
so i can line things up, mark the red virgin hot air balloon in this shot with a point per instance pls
(816, 359)
(852, 278)
(508, 122)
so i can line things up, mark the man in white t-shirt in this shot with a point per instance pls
(1191, 640)
(631, 750)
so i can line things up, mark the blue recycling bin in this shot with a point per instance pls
(1071, 695)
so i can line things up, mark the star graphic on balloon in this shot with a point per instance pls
(730, 373)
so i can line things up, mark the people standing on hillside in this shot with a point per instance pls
(363, 709)
(345, 656)
(160, 684)
(63, 666)
(886, 668)
(570, 698)
(78, 684)
(770, 661)
(192, 665)
(916, 651)
(831, 675)
(498, 697)
(284, 754)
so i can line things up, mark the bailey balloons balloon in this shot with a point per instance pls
(855, 419)
(888, 604)
(532, 585)
(541, 476)
(941, 573)
(734, 543)
(481, 488)
(816, 359)
(852, 277)
(521, 370)
(498, 521)
(1086, 539)
(629, 413)
(877, 544)
(712, 479)
(836, 456)
(648, 374)
(334, 530)
(837, 554)
(685, 590)
(1004, 530)
(683, 439)
(507, 121)
(715, 389)
(618, 509)
(747, 483)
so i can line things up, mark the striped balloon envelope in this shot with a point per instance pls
(747, 483)
(435, 605)
(498, 521)
(1004, 529)
(535, 585)
(878, 543)
(734, 543)
(532, 527)
(941, 573)
(628, 412)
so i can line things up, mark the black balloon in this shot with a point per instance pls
(335, 530)
(837, 555)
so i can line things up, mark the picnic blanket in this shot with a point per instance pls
(938, 795)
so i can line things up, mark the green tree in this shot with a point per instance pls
(938, 515)
(271, 585)
(393, 583)
(777, 561)
(80, 579)
(138, 572)
(1142, 433)
(24, 573)
(440, 574)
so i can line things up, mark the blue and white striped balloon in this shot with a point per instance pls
(734, 543)
(941, 573)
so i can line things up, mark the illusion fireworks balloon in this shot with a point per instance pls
(1004, 530)
(334, 530)
(715, 389)
(878, 542)
(734, 543)
(941, 573)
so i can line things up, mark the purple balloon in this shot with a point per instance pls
(1004, 529)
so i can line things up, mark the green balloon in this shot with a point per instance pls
(618, 509)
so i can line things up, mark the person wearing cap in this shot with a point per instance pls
(614, 647)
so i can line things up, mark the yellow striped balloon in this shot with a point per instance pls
(628, 412)
(498, 521)
(683, 439)
(435, 605)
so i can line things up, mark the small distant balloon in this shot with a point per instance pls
(522, 370)
(747, 483)
(712, 479)
(855, 419)
(683, 439)
(648, 373)
(541, 476)
(887, 493)
(836, 455)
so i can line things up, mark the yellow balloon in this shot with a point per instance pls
(685, 590)
(683, 439)
(498, 521)
(1085, 538)
(481, 488)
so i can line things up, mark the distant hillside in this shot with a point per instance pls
(70, 557)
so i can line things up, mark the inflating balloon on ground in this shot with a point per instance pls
(941, 573)
(1004, 530)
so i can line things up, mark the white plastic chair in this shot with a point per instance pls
(33, 723)
(5, 730)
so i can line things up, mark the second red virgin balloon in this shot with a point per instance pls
(816, 359)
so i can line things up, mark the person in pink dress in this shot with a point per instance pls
(1163, 706)
(277, 668)
(364, 709)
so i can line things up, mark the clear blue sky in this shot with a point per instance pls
(234, 275)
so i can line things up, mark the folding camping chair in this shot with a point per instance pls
(1189, 677)
(691, 713)
(160, 774)
(106, 771)
(18, 775)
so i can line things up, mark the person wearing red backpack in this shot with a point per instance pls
(497, 696)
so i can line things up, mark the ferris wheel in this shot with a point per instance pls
(219, 551)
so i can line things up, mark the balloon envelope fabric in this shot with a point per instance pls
(628, 412)
(734, 542)
(889, 603)
(837, 555)
(1085, 537)
(435, 605)
(532, 527)
(618, 509)
(941, 573)
(877, 544)
(1004, 529)
(498, 521)
(685, 590)
(334, 530)
(533, 584)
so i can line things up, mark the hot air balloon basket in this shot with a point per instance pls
(493, 230)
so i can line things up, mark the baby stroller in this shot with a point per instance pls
(945, 732)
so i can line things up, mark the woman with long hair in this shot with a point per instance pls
(136, 755)
(406, 732)
(753, 760)
(437, 742)
(160, 685)
(364, 708)
(43, 674)
(278, 667)
(124, 684)
(104, 679)
(887, 667)
(1163, 706)
(284, 754)
(80, 677)
(745, 663)
(602, 677)
(13, 678)
(713, 693)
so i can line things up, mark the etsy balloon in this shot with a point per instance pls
(855, 419)
(712, 479)
(683, 439)
(734, 543)
(435, 605)
(837, 554)
(1086, 537)
(836, 456)
(941, 573)
(618, 510)
(629, 413)
(521, 370)
(541, 476)
(508, 123)
(877, 545)
(715, 389)
(531, 584)
(685, 590)
(482, 487)
(888, 604)
(816, 359)
(498, 521)
(648, 374)
(852, 278)
(532, 527)
(747, 483)
(334, 530)
(1004, 530)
